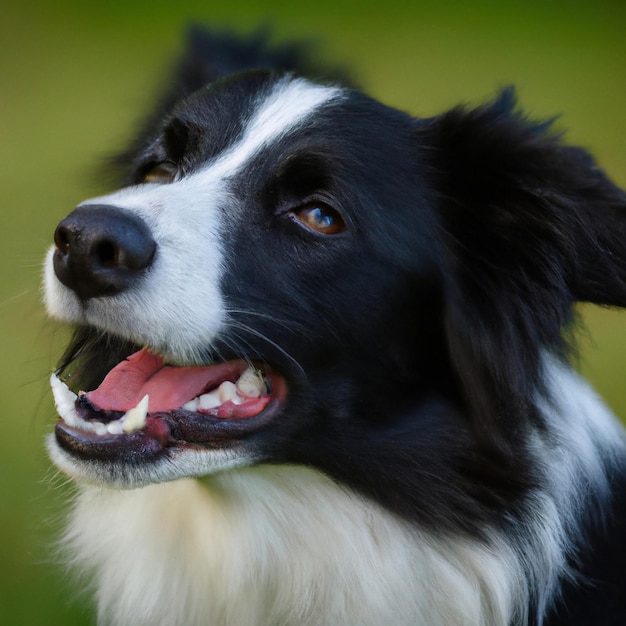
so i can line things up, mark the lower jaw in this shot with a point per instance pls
(126, 471)
(167, 432)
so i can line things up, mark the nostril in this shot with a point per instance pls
(61, 238)
(106, 254)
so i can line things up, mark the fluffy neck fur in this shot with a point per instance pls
(286, 545)
(278, 545)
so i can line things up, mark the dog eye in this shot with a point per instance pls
(164, 172)
(320, 218)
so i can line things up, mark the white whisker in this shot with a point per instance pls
(252, 331)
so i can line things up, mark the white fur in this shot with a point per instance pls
(289, 104)
(582, 444)
(284, 545)
(177, 308)
(279, 545)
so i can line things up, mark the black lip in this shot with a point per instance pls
(91, 447)
(190, 427)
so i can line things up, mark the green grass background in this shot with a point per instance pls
(74, 76)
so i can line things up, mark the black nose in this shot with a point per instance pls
(101, 250)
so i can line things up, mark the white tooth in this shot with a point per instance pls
(74, 420)
(100, 428)
(251, 383)
(209, 401)
(64, 397)
(136, 418)
(115, 428)
(227, 391)
(64, 401)
(192, 405)
(71, 418)
(85, 425)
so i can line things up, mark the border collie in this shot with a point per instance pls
(320, 373)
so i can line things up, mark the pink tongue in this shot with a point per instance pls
(168, 387)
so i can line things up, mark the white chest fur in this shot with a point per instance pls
(279, 545)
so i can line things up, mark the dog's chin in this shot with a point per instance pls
(152, 422)
(128, 474)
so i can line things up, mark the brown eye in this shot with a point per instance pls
(320, 218)
(164, 172)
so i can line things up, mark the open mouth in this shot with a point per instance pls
(144, 407)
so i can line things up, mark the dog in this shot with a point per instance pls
(321, 365)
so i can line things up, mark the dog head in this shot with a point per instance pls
(293, 272)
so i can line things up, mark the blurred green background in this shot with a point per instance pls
(75, 76)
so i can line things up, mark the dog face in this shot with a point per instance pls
(250, 235)
(383, 288)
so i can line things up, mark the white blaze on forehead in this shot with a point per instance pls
(177, 307)
(289, 103)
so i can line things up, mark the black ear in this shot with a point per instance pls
(211, 55)
(528, 226)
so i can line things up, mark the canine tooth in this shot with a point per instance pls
(64, 401)
(136, 418)
(64, 397)
(251, 383)
(115, 428)
(68, 414)
(71, 418)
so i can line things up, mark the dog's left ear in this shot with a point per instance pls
(528, 227)
(211, 55)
